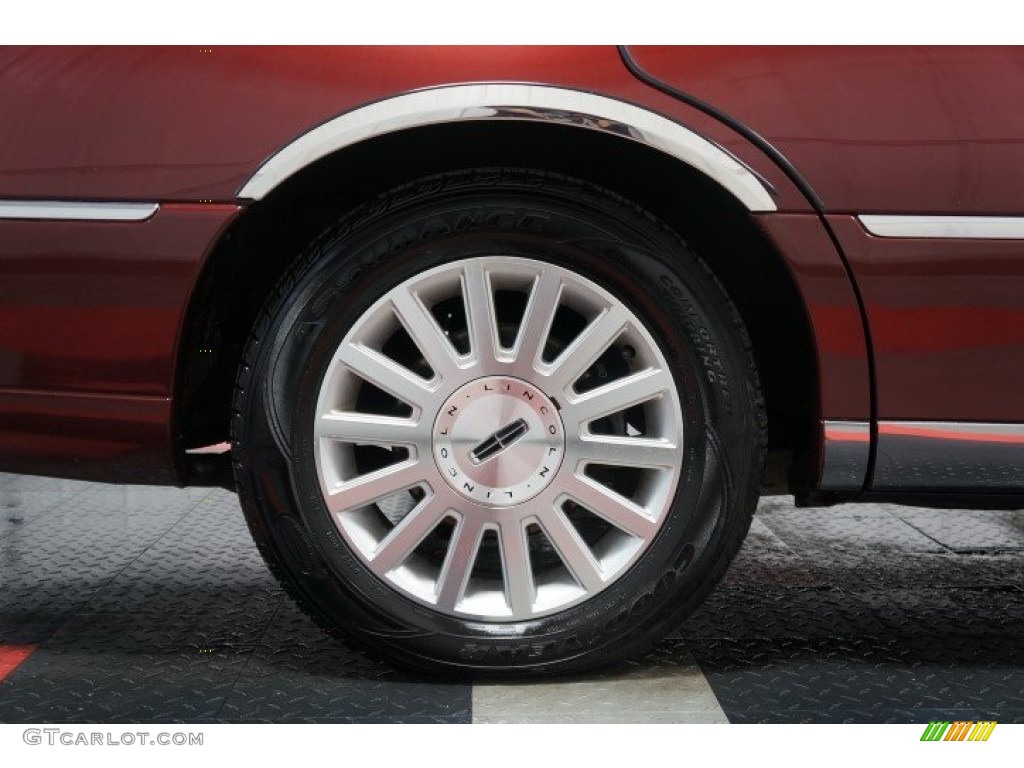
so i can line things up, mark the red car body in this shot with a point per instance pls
(115, 335)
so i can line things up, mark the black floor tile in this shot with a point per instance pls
(153, 605)
(299, 673)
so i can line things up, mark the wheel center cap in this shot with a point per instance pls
(498, 441)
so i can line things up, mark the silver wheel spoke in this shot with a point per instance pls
(383, 372)
(540, 311)
(617, 396)
(458, 563)
(406, 536)
(370, 429)
(616, 509)
(480, 314)
(626, 451)
(425, 332)
(572, 549)
(374, 486)
(587, 347)
(515, 560)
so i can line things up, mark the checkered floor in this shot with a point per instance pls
(127, 603)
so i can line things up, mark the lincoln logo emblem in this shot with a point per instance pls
(499, 441)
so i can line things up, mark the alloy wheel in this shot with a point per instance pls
(498, 438)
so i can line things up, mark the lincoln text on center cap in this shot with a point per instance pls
(498, 441)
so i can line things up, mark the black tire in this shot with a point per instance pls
(545, 217)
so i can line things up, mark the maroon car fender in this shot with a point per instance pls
(216, 127)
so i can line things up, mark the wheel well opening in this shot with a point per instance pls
(257, 251)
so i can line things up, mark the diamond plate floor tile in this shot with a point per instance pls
(29, 627)
(57, 564)
(154, 605)
(944, 613)
(777, 612)
(849, 528)
(20, 508)
(119, 684)
(939, 651)
(907, 629)
(868, 571)
(969, 530)
(765, 558)
(205, 563)
(300, 674)
(24, 500)
(39, 483)
(665, 687)
(866, 680)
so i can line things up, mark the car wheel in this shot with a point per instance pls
(499, 420)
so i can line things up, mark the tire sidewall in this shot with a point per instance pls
(628, 254)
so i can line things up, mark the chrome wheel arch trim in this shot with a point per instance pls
(949, 456)
(945, 227)
(507, 101)
(76, 211)
(846, 450)
(923, 456)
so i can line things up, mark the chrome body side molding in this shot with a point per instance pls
(947, 227)
(76, 211)
(505, 101)
(846, 449)
(949, 456)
